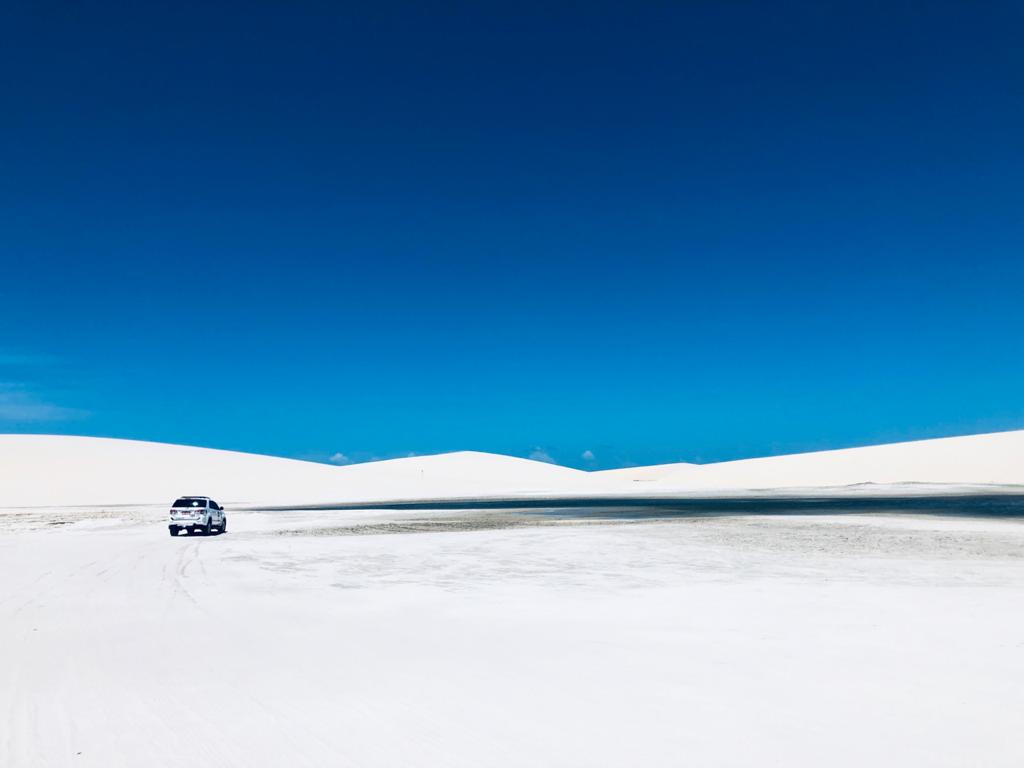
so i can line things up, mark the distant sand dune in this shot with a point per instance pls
(56, 470)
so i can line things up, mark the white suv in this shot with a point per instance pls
(197, 513)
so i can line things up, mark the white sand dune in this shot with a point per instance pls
(381, 638)
(995, 459)
(50, 470)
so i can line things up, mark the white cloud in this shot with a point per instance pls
(17, 404)
(539, 454)
(340, 458)
(587, 455)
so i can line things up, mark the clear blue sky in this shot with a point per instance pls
(655, 232)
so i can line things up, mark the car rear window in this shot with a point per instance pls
(190, 503)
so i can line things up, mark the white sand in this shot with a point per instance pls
(43, 470)
(728, 641)
(359, 638)
(975, 460)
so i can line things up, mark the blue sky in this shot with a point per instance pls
(650, 232)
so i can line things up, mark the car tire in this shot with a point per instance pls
(173, 529)
(207, 528)
(224, 525)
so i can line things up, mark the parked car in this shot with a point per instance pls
(197, 513)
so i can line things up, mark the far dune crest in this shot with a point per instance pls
(57, 470)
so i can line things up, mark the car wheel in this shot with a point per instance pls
(224, 525)
(207, 528)
(174, 530)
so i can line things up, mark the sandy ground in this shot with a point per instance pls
(503, 639)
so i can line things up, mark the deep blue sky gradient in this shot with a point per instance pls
(657, 232)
